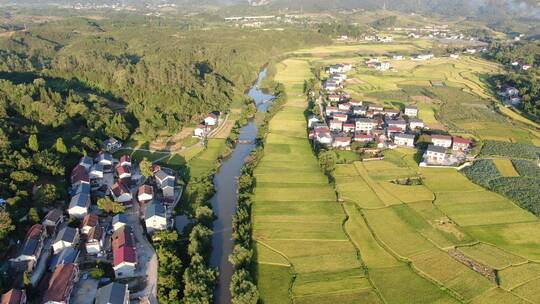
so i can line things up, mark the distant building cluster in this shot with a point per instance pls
(344, 121)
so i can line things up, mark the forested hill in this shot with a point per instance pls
(167, 73)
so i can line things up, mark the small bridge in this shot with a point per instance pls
(246, 142)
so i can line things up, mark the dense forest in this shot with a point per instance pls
(165, 75)
(68, 83)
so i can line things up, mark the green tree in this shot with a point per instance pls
(108, 205)
(47, 194)
(146, 167)
(33, 143)
(6, 225)
(204, 215)
(117, 127)
(33, 216)
(243, 290)
(60, 146)
(327, 161)
(97, 273)
(241, 256)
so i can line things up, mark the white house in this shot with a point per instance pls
(444, 141)
(167, 188)
(161, 176)
(200, 131)
(398, 57)
(435, 154)
(104, 159)
(125, 160)
(313, 120)
(365, 125)
(334, 97)
(97, 171)
(67, 237)
(415, 123)
(411, 111)
(211, 119)
(341, 142)
(383, 66)
(155, 217)
(123, 172)
(79, 204)
(362, 137)
(86, 162)
(359, 110)
(349, 127)
(94, 240)
(145, 193)
(340, 117)
(346, 106)
(124, 253)
(404, 140)
(329, 111)
(336, 125)
(119, 221)
(90, 221)
(120, 193)
(454, 56)
(398, 123)
(461, 144)
(324, 138)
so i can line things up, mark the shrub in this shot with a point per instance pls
(512, 150)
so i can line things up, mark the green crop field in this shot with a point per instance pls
(296, 213)
(308, 249)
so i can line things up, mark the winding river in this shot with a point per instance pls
(225, 199)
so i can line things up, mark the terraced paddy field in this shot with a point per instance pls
(303, 252)
(394, 243)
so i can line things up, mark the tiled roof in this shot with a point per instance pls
(61, 283)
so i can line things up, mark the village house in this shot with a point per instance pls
(113, 293)
(201, 131)
(94, 240)
(349, 127)
(124, 253)
(411, 111)
(398, 57)
(66, 256)
(79, 176)
(155, 217)
(392, 130)
(376, 109)
(96, 172)
(336, 125)
(313, 120)
(441, 140)
(167, 188)
(383, 66)
(52, 220)
(83, 188)
(404, 140)
(61, 284)
(346, 106)
(125, 160)
(355, 103)
(119, 221)
(359, 110)
(120, 193)
(123, 172)
(454, 56)
(365, 125)
(112, 144)
(398, 123)
(89, 221)
(86, 162)
(340, 117)
(391, 113)
(329, 111)
(324, 138)
(79, 204)
(341, 142)
(161, 176)
(211, 119)
(358, 137)
(330, 86)
(423, 57)
(104, 158)
(67, 237)
(435, 154)
(415, 123)
(145, 193)
(339, 68)
(460, 144)
(334, 97)
(14, 296)
(30, 250)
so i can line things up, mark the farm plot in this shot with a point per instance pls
(498, 296)
(296, 214)
(529, 290)
(461, 279)
(515, 276)
(505, 167)
(492, 256)
(387, 273)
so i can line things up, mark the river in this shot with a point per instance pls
(225, 199)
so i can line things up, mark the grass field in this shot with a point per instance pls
(296, 214)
